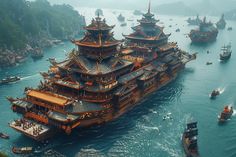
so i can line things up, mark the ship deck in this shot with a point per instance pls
(22, 103)
(185, 58)
(32, 129)
(167, 46)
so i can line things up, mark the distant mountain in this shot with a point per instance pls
(201, 7)
(214, 7)
(113, 4)
(176, 8)
(231, 15)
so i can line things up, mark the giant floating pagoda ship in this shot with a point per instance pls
(205, 33)
(99, 81)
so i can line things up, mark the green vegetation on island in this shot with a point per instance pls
(27, 25)
(3, 154)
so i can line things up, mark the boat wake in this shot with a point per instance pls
(150, 128)
(171, 151)
(234, 113)
(153, 111)
(221, 90)
(29, 77)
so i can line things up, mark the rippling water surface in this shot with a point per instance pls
(142, 131)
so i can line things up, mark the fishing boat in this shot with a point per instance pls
(214, 93)
(226, 52)
(209, 63)
(229, 28)
(189, 140)
(22, 150)
(225, 114)
(10, 79)
(121, 18)
(4, 136)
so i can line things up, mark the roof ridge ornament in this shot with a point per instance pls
(149, 7)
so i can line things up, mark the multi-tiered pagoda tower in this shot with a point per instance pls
(99, 81)
(147, 33)
(150, 45)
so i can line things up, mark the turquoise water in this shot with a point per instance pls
(142, 132)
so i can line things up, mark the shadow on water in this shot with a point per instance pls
(188, 70)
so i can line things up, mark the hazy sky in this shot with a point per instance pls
(140, 4)
(210, 7)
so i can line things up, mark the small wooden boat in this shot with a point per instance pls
(214, 93)
(189, 140)
(4, 136)
(225, 114)
(23, 150)
(209, 63)
(10, 79)
(229, 28)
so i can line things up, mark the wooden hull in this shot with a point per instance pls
(137, 97)
(203, 37)
(223, 58)
(25, 150)
(186, 150)
(225, 116)
(4, 136)
(9, 81)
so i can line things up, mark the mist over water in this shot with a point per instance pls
(168, 7)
